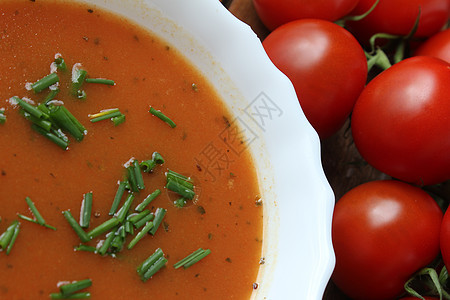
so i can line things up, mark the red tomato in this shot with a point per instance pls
(274, 13)
(398, 17)
(326, 65)
(437, 46)
(383, 232)
(401, 121)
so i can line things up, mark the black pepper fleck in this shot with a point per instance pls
(201, 210)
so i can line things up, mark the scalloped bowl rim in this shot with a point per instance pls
(298, 200)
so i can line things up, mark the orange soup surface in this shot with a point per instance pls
(224, 216)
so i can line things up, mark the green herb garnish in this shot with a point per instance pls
(192, 258)
(76, 227)
(45, 82)
(119, 194)
(8, 238)
(152, 265)
(72, 290)
(86, 209)
(162, 116)
(100, 81)
(38, 217)
(147, 200)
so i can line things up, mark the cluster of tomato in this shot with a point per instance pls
(388, 68)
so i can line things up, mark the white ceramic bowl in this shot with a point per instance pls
(298, 201)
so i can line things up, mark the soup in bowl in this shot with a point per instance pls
(150, 149)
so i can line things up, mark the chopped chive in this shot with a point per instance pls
(162, 116)
(136, 217)
(71, 288)
(127, 184)
(7, 236)
(123, 211)
(177, 187)
(52, 137)
(43, 107)
(147, 165)
(107, 243)
(121, 231)
(60, 116)
(82, 295)
(86, 248)
(118, 120)
(40, 220)
(186, 181)
(74, 120)
(76, 227)
(60, 63)
(138, 175)
(192, 258)
(132, 179)
(102, 228)
(147, 200)
(183, 186)
(197, 258)
(171, 173)
(161, 262)
(104, 112)
(100, 81)
(117, 197)
(180, 203)
(150, 261)
(129, 227)
(144, 220)
(159, 215)
(109, 115)
(117, 243)
(44, 124)
(146, 264)
(13, 238)
(2, 116)
(187, 258)
(59, 133)
(29, 108)
(34, 221)
(45, 82)
(140, 235)
(86, 209)
(78, 77)
(81, 94)
(51, 95)
(157, 158)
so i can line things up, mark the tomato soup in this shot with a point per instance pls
(224, 216)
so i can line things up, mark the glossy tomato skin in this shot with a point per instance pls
(274, 13)
(398, 17)
(401, 121)
(326, 65)
(436, 46)
(383, 232)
